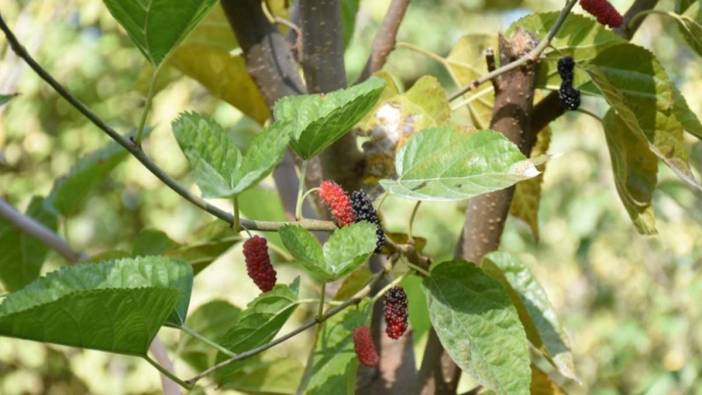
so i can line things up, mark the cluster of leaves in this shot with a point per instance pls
(486, 314)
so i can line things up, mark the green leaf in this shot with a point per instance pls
(22, 255)
(152, 242)
(685, 115)
(446, 164)
(635, 168)
(209, 55)
(258, 325)
(345, 250)
(689, 21)
(354, 283)
(317, 121)
(212, 320)
(334, 363)
(416, 307)
(637, 87)
(478, 326)
(4, 99)
(265, 151)
(220, 169)
(536, 313)
(115, 306)
(70, 192)
(157, 26)
(527, 194)
(267, 375)
(211, 152)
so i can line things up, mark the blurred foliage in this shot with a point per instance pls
(630, 303)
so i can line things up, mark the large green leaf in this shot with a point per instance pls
(635, 168)
(334, 363)
(212, 320)
(209, 55)
(115, 306)
(478, 326)
(257, 325)
(685, 115)
(157, 26)
(22, 255)
(220, 169)
(345, 250)
(70, 192)
(537, 314)
(637, 87)
(317, 121)
(446, 164)
(527, 194)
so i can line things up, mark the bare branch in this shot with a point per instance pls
(385, 38)
(38, 231)
(531, 57)
(141, 156)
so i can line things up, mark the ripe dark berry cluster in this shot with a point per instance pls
(569, 96)
(338, 202)
(605, 12)
(364, 210)
(396, 312)
(258, 263)
(364, 347)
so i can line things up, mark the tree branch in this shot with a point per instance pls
(38, 231)
(531, 57)
(142, 157)
(486, 214)
(385, 38)
(309, 324)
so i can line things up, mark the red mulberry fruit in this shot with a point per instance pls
(338, 202)
(258, 263)
(396, 312)
(364, 347)
(605, 12)
(364, 211)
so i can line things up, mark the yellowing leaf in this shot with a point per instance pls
(211, 56)
(527, 194)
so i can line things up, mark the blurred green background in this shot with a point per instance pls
(632, 305)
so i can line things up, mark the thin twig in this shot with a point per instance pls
(38, 231)
(384, 41)
(147, 104)
(168, 373)
(531, 57)
(136, 151)
(257, 350)
(206, 340)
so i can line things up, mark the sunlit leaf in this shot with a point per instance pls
(478, 326)
(345, 250)
(317, 121)
(446, 164)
